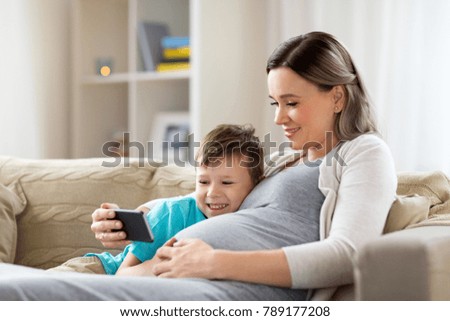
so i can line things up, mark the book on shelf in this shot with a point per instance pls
(173, 66)
(176, 53)
(149, 36)
(174, 42)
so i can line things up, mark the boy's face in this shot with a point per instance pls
(220, 189)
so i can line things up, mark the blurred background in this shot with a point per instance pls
(54, 104)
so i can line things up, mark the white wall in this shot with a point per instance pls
(34, 78)
(231, 78)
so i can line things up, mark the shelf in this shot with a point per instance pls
(129, 98)
(140, 76)
(166, 75)
(224, 85)
(114, 78)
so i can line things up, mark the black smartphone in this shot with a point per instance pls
(135, 225)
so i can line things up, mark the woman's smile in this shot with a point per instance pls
(289, 132)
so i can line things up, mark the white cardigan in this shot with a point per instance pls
(359, 182)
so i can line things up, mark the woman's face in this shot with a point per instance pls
(303, 111)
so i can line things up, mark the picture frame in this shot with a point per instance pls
(169, 136)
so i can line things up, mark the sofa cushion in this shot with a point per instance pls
(434, 185)
(62, 194)
(406, 211)
(12, 203)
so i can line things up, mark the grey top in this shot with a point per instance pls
(282, 210)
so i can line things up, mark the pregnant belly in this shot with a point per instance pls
(254, 229)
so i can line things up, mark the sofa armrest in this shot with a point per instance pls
(412, 264)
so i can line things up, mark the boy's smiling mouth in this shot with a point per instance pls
(216, 207)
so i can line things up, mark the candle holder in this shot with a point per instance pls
(104, 66)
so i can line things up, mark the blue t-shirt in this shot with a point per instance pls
(166, 219)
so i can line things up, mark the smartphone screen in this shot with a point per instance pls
(135, 225)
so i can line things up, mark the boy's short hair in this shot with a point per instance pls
(233, 140)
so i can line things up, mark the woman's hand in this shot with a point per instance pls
(195, 258)
(103, 224)
(185, 258)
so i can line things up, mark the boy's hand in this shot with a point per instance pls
(103, 224)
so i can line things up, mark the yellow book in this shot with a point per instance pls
(177, 53)
(172, 66)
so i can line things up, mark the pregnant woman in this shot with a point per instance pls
(296, 233)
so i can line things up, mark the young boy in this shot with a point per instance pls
(229, 165)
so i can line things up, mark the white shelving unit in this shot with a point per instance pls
(128, 99)
(226, 83)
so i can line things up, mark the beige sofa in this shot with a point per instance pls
(46, 206)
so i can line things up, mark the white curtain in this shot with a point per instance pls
(402, 49)
(19, 135)
(34, 78)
